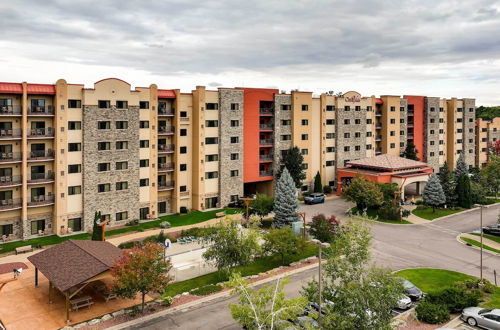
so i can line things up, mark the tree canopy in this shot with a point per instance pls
(262, 205)
(282, 242)
(461, 167)
(285, 203)
(447, 180)
(293, 161)
(96, 229)
(364, 193)
(464, 193)
(433, 194)
(323, 228)
(490, 176)
(318, 186)
(410, 152)
(487, 113)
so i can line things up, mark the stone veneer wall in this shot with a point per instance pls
(428, 127)
(469, 131)
(279, 129)
(230, 185)
(27, 224)
(403, 126)
(113, 201)
(340, 142)
(17, 227)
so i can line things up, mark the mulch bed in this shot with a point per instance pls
(9, 267)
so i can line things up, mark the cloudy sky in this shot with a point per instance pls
(438, 48)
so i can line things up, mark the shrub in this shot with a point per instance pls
(419, 202)
(167, 301)
(206, 290)
(474, 284)
(432, 313)
(389, 212)
(183, 210)
(197, 231)
(324, 228)
(405, 213)
(165, 224)
(301, 198)
(327, 189)
(132, 222)
(126, 245)
(455, 299)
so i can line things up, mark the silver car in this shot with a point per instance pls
(486, 318)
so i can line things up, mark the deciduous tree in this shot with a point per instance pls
(490, 176)
(293, 161)
(323, 228)
(262, 205)
(433, 194)
(282, 242)
(285, 203)
(364, 193)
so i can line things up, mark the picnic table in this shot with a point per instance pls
(85, 301)
(101, 289)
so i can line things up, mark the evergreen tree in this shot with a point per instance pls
(285, 201)
(447, 180)
(433, 194)
(462, 167)
(97, 230)
(318, 187)
(410, 152)
(464, 191)
(292, 160)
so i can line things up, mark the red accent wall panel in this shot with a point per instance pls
(418, 119)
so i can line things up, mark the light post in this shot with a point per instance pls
(321, 246)
(481, 253)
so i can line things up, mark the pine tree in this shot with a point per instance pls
(461, 167)
(464, 191)
(318, 187)
(292, 160)
(410, 152)
(285, 201)
(97, 230)
(447, 180)
(433, 194)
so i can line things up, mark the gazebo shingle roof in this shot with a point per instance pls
(387, 162)
(74, 261)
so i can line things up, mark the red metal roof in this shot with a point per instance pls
(11, 88)
(166, 94)
(41, 89)
(379, 101)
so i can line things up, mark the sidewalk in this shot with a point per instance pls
(486, 241)
(413, 218)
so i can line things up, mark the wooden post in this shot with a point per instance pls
(67, 307)
(103, 229)
(36, 277)
(50, 292)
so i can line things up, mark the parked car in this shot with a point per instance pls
(486, 318)
(492, 229)
(412, 291)
(404, 302)
(314, 198)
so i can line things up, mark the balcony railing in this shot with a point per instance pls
(410, 124)
(166, 185)
(8, 180)
(12, 203)
(47, 110)
(41, 154)
(378, 126)
(410, 136)
(41, 177)
(165, 112)
(166, 130)
(411, 112)
(378, 138)
(41, 132)
(264, 142)
(166, 148)
(378, 151)
(266, 173)
(41, 200)
(184, 119)
(378, 113)
(266, 157)
(165, 166)
(266, 126)
(10, 156)
(266, 111)
(10, 133)
(10, 110)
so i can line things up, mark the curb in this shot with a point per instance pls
(226, 293)
(476, 247)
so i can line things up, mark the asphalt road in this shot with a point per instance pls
(397, 246)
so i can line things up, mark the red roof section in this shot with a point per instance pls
(379, 101)
(41, 89)
(11, 88)
(166, 94)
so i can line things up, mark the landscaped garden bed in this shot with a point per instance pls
(429, 214)
(372, 213)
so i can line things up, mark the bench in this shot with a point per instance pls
(78, 303)
(220, 214)
(22, 249)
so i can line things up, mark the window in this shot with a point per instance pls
(402, 121)
(121, 165)
(471, 120)
(459, 120)
(235, 123)
(369, 108)
(103, 146)
(143, 182)
(121, 145)
(393, 121)
(304, 152)
(347, 108)
(183, 114)
(143, 105)
(37, 226)
(183, 167)
(393, 133)
(286, 122)
(304, 137)
(357, 108)
(235, 106)
(330, 149)
(74, 125)
(74, 104)
(103, 187)
(184, 132)
(212, 140)
(235, 139)
(347, 148)
(368, 134)
(357, 121)
(357, 148)
(211, 123)
(234, 198)
(103, 125)
(305, 122)
(401, 132)
(347, 121)
(459, 140)
(441, 142)
(74, 147)
(212, 158)
(357, 134)
(441, 131)
(235, 156)
(103, 167)
(74, 168)
(441, 120)
(286, 107)
(347, 135)
(121, 124)
(368, 147)
(211, 175)
(286, 137)
(144, 124)
(401, 108)
(459, 109)
(330, 163)
(471, 109)
(330, 121)
(183, 150)
(330, 135)
(103, 104)
(121, 216)
(144, 144)
(305, 107)
(401, 144)
(122, 185)
(75, 224)
(393, 145)
(183, 188)
(144, 163)
(393, 108)
(432, 154)
(235, 173)
(330, 108)
(459, 130)
(211, 106)
(74, 190)
(431, 143)
(369, 121)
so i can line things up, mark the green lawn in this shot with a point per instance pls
(372, 213)
(488, 236)
(433, 280)
(256, 267)
(428, 214)
(478, 244)
(175, 220)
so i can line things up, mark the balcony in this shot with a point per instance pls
(266, 158)
(378, 151)
(378, 126)
(166, 185)
(41, 200)
(166, 112)
(11, 204)
(265, 142)
(9, 134)
(165, 148)
(378, 138)
(266, 173)
(166, 130)
(41, 155)
(410, 125)
(267, 111)
(410, 136)
(165, 167)
(266, 127)
(10, 180)
(38, 178)
(10, 110)
(47, 110)
(411, 112)
(10, 157)
(184, 119)
(35, 133)
(378, 114)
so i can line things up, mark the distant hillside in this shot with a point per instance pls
(487, 113)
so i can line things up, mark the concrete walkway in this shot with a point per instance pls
(486, 241)
(413, 218)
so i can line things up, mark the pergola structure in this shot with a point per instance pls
(385, 169)
(72, 265)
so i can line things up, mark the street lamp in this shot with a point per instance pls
(481, 254)
(321, 246)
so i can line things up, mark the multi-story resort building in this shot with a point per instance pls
(67, 151)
